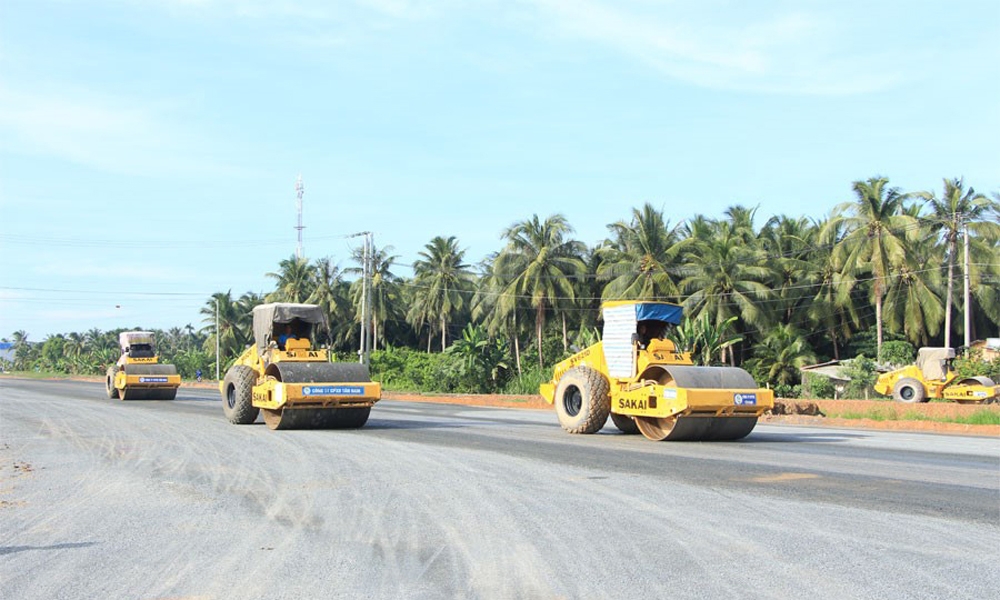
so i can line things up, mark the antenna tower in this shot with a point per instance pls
(299, 191)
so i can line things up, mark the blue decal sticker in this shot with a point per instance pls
(744, 399)
(333, 390)
(152, 380)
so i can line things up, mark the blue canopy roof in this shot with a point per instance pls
(670, 313)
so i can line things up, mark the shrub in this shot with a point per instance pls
(898, 353)
(819, 387)
(862, 373)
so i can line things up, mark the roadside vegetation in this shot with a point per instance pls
(876, 279)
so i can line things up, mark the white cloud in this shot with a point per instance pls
(790, 52)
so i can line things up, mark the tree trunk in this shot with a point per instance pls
(951, 276)
(430, 336)
(565, 338)
(878, 320)
(443, 330)
(517, 346)
(539, 322)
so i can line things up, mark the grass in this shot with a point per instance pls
(980, 417)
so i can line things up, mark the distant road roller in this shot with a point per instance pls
(291, 380)
(638, 377)
(933, 377)
(138, 374)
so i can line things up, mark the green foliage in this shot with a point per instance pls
(866, 342)
(862, 374)
(819, 387)
(972, 364)
(704, 340)
(484, 362)
(898, 353)
(410, 370)
(528, 381)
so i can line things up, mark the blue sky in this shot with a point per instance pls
(149, 149)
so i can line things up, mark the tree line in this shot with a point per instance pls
(887, 267)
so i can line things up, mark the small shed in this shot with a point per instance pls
(828, 370)
(989, 348)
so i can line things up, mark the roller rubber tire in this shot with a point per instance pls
(909, 390)
(237, 389)
(582, 400)
(625, 424)
(110, 383)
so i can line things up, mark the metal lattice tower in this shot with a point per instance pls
(300, 190)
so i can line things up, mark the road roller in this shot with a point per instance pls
(646, 385)
(285, 375)
(138, 374)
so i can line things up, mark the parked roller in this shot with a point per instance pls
(138, 374)
(638, 377)
(933, 377)
(285, 376)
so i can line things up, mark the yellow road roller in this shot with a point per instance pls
(638, 377)
(933, 377)
(285, 375)
(138, 374)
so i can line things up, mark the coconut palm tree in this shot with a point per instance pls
(385, 292)
(957, 209)
(442, 284)
(782, 352)
(877, 238)
(538, 264)
(330, 294)
(724, 278)
(295, 281)
(640, 260)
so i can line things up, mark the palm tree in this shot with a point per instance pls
(912, 301)
(724, 277)
(329, 293)
(950, 215)
(782, 352)
(641, 258)
(877, 238)
(295, 281)
(538, 264)
(384, 288)
(230, 328)
(831, 307)
(441, 283)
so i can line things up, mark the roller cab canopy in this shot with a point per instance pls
(307, 317)
(933, 362)
(622, 319)
(127, 339)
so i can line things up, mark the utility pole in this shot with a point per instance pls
(217, 359)
(300, 190)
(368, 250)
(968, 318)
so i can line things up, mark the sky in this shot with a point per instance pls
(149, 149)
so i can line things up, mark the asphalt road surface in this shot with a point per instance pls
(157, 500)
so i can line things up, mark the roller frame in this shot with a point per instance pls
(132, 383)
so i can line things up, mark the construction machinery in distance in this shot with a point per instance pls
(138, 374)
(933, 377)
(285, 375)
(638, 376)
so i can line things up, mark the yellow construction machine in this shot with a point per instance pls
(138, 374)
(291, 380)
(933, 377)
(638, 377)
